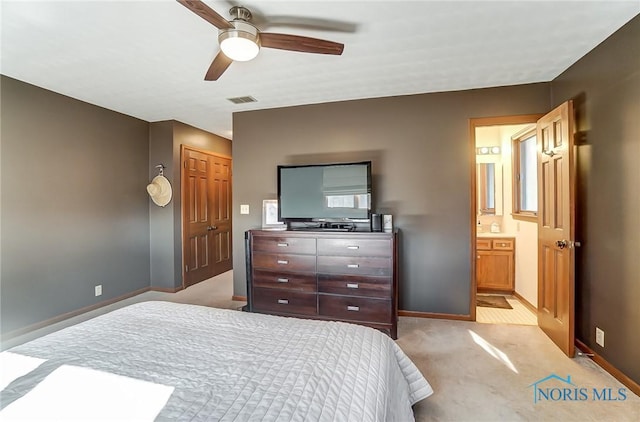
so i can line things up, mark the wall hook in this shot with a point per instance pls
(161, 167)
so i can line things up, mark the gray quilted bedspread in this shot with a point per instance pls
(224, 365)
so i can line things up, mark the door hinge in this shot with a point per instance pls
(186, 268)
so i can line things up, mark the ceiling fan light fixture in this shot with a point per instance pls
(241, 43)
(240, 40)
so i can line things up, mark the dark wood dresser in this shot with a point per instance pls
(346, 276)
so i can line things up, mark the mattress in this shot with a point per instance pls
(176, 362)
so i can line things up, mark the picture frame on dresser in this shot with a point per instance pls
(270, 215)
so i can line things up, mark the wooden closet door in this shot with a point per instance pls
(206, 214)
(221, 212)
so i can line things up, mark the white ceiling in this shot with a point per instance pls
(148, 58)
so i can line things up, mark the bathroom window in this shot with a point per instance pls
(525, 175)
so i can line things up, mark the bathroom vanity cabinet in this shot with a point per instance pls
(495, 264)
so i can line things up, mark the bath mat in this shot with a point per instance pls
(492, 302)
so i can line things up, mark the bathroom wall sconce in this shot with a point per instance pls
(488, 150)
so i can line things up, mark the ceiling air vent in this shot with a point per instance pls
(242, 100)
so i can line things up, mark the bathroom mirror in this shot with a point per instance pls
(489, 188)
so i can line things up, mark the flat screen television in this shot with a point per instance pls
(339, 192)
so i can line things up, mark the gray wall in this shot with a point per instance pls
(605, 86)
(74, 207)
(422, 164)
(74, 210)
(161, 234)
(165, 140)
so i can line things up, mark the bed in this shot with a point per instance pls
(175, 362)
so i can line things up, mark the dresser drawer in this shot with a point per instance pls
(284, 301)
(503, 244)
(355, 285)
(284, 244)
(376, 266)
(355, 247)
(355, 308)
(282, 280)
(284, 262)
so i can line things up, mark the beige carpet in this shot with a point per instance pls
(479, 372)
(483, 372)
(215, 292)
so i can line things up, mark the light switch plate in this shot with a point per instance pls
(244, 209)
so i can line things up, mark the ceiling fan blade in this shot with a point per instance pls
(206, 13)
(218, 66)
(299, 43)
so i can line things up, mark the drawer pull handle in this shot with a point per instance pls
(283, 280)
(283, 301)
(354, 247)
(353, 266)
(283, 245)
(353, 308)
(352, 285)
(283, 262)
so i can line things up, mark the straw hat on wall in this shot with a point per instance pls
(160, 190)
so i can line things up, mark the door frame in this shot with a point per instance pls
(473, 124)
(182, 200)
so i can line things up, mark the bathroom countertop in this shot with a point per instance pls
(489, 234)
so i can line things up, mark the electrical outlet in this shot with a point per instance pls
(244, 209)
(99, 290)
(600, 337)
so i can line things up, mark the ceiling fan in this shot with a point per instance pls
(240, 40)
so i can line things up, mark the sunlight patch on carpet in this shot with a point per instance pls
(493, 351)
